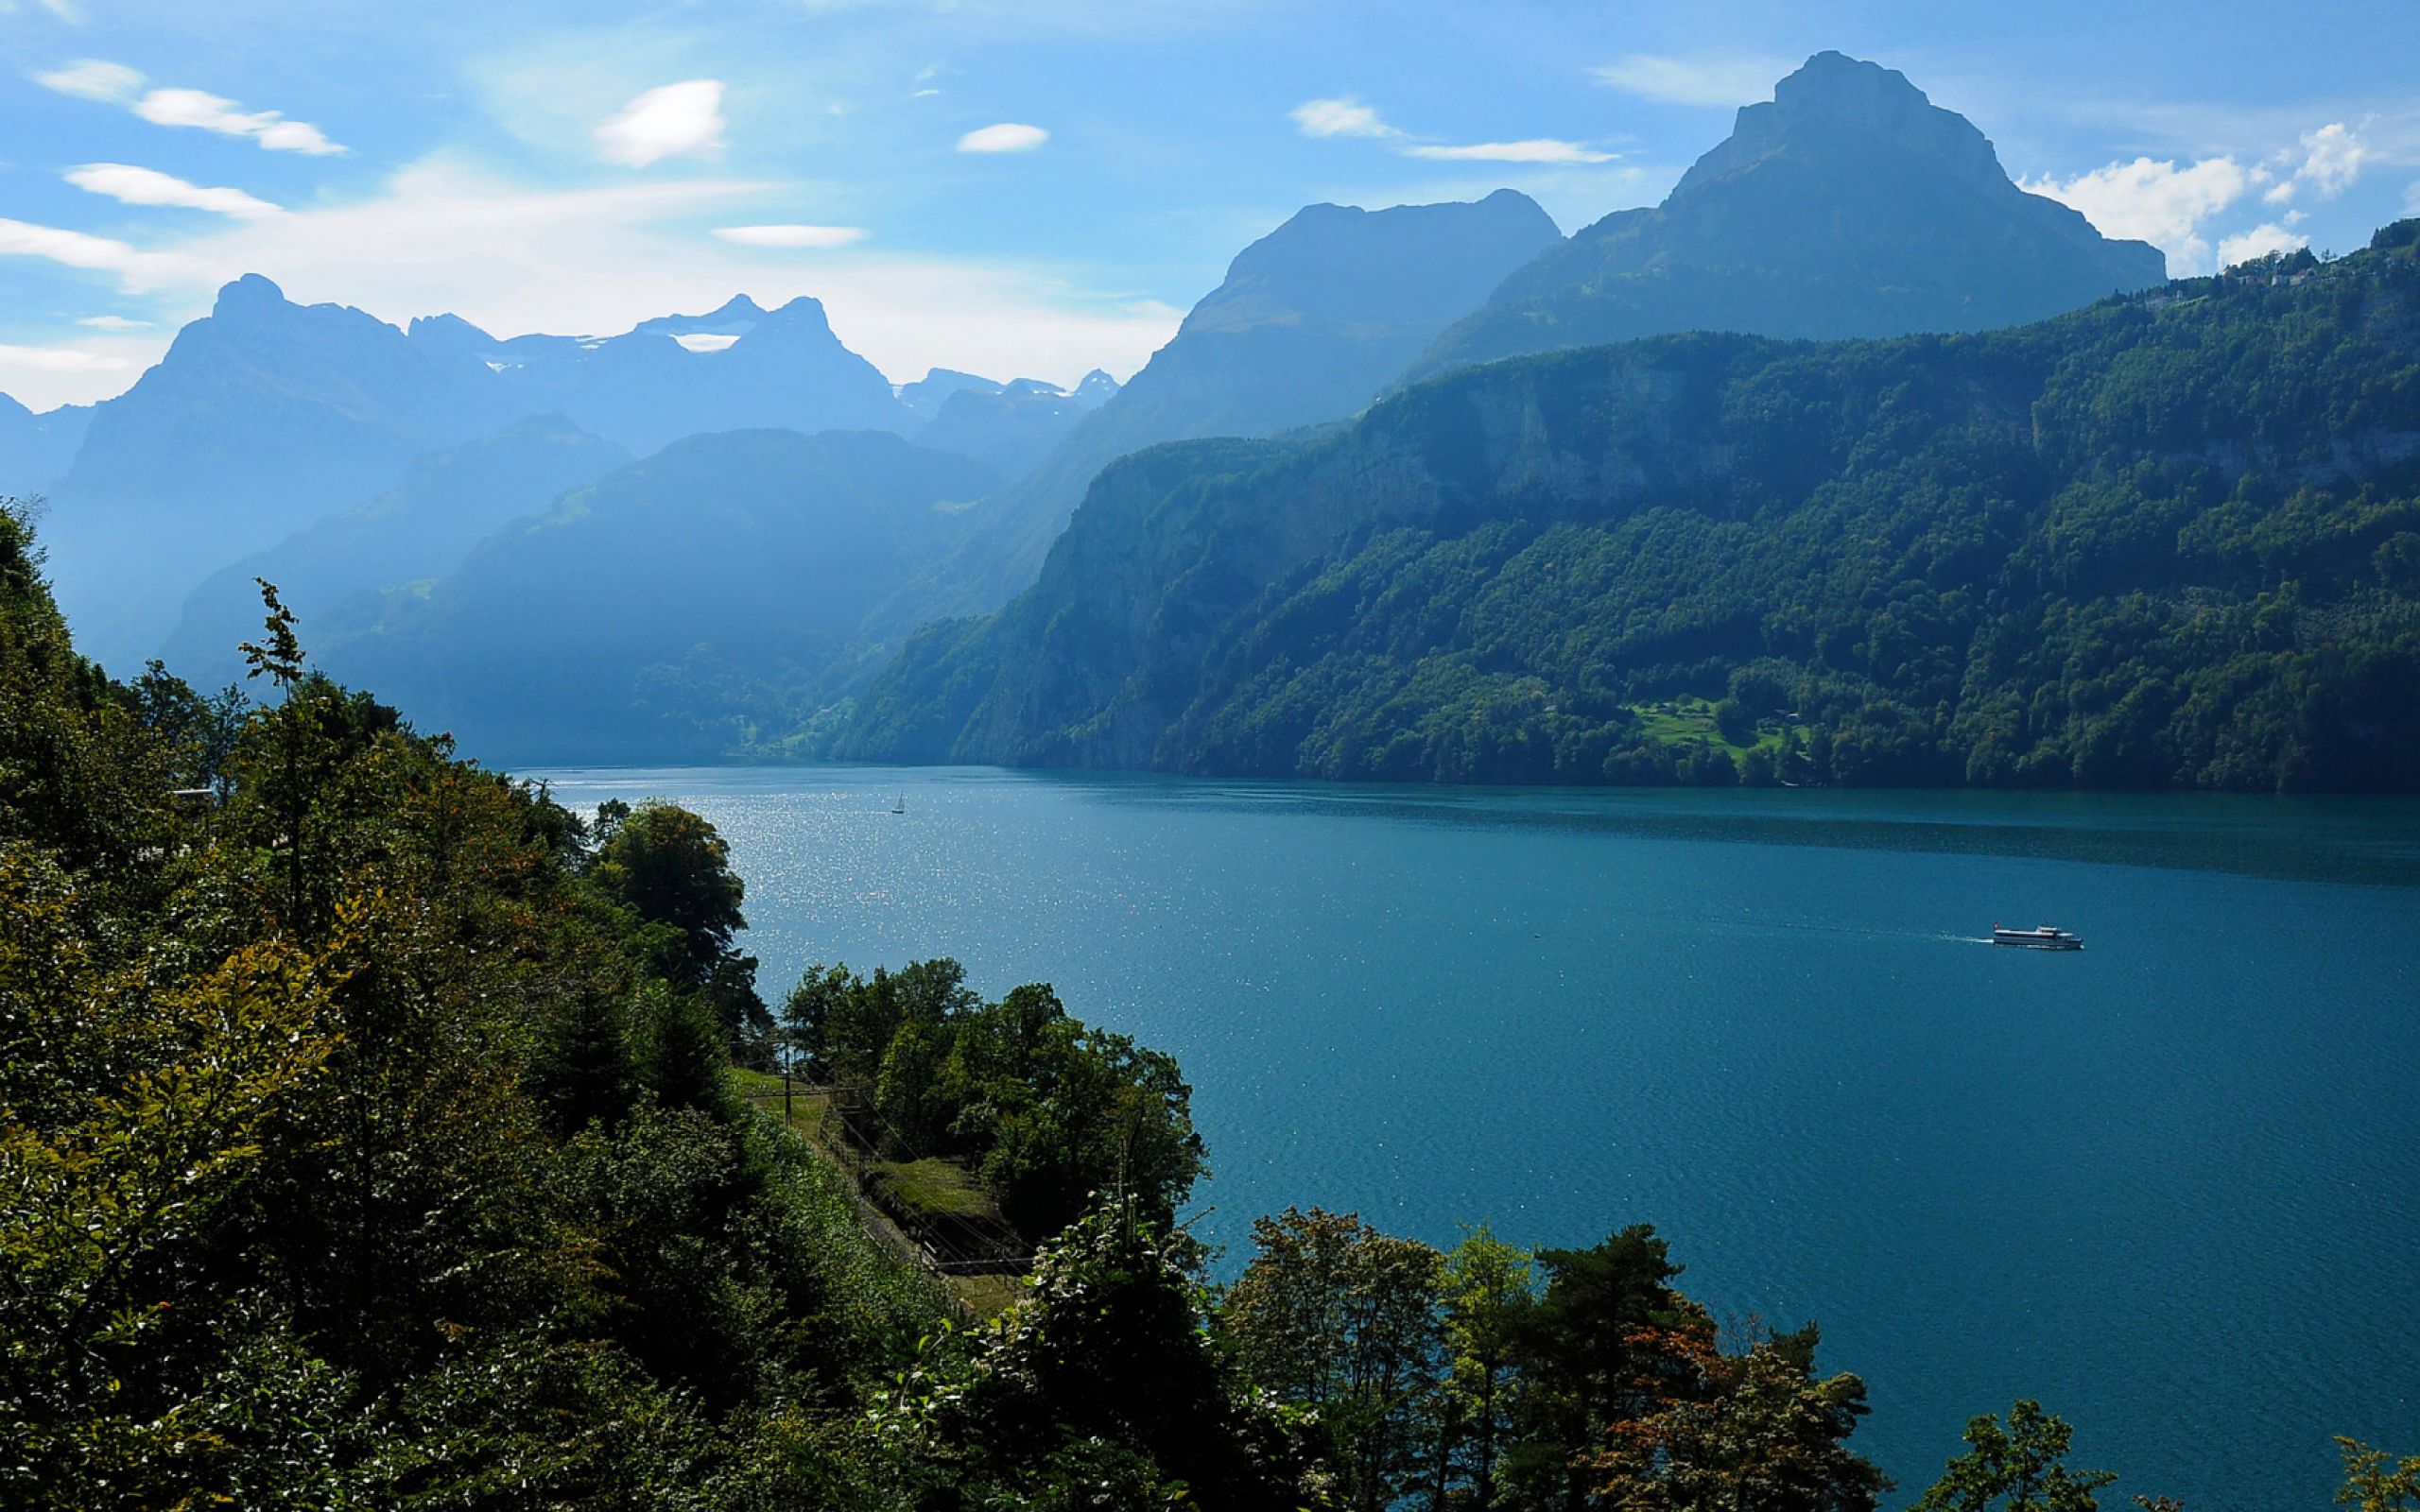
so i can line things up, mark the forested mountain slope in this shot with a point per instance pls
(673, 607)
(2170, 539)
(445, 503)
(1847, 205)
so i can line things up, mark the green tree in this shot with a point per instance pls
(1488, 1293)
(674, 868)
(2017, 1467)
(1335, 1317)
(1109, 1363)
(2374, 1481)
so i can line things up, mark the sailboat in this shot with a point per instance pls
(901, 806)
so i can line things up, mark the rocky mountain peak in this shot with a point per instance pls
(1852, 114)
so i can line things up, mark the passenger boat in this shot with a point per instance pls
(2042, 937)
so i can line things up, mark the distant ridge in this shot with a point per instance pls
(266, 416)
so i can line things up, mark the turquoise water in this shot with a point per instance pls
(2169, 1186)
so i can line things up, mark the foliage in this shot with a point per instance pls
(361, 1147)
(674, 869)
(1105, 1390)
(1335, 1317)
(1750, 1431)
(1051, 1112)
(2019, 1468)
(2374, 1481)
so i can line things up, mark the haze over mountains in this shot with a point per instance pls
(35, 449)
(684, 606)
(311, 441)
(1311, 321)
(445, 503)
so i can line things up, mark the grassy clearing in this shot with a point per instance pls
(938, 1186)
(1688, 720)
(935, 1184)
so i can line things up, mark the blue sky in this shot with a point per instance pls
(1042, 187)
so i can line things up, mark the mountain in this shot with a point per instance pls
(736, 367)
(1311, 320)
(36, 450)
(671, 610)
(266, 416)
(1847, 205)
(2171, 540)
(1012, 426)
(262, 417)
(445, 503)
(923, 398)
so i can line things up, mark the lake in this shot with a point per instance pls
(2169, 1185)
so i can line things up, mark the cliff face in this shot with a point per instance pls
(1848, 205)
(1097, 662)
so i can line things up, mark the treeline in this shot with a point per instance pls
(2171, 540)
(369, 1139)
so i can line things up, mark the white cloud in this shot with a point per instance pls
(94, 79)
(2280, 193)
(146, 186)
(137, 271)
(1342, 116)
(664, 122)
(113, 322)
(2155, 201)
(205, 112)
(61, 359)
(2332, 160)
(1540, 150)
(1347, 116)
(115, 84)
(1009, 136)
(806, 236)
(1702, 79)
(2259, 242)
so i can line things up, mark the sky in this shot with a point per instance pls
(1037, 187)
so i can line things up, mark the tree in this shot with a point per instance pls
(1488, 1293)
(1335, 1317)
(1108, 1364)
(674, 868)
(2021, 1468)
(2375, 1481)
(1756, 1432)
(1610, 1341)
